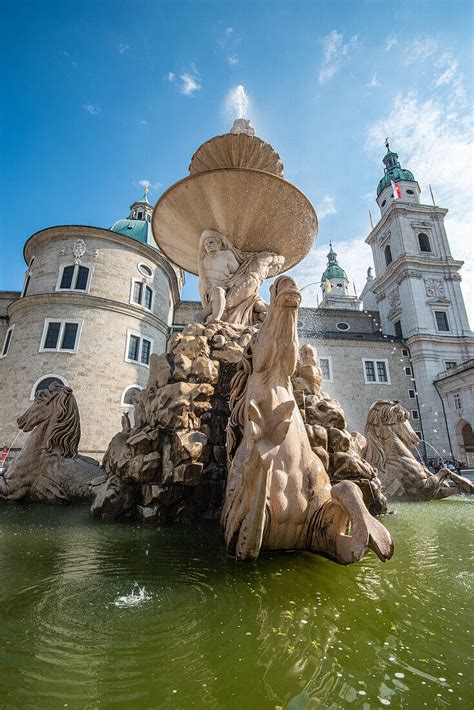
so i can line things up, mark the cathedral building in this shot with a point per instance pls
(96, 303)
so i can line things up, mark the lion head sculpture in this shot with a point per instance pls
(56, 409)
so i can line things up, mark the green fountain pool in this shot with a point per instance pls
(121, 616)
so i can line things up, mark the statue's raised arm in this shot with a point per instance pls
(229, 279)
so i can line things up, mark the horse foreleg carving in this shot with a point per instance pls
(328, 532)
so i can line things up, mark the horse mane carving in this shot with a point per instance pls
(387, 419)
(238, 391)
(65, 431)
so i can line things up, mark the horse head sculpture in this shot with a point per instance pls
(48, 467)
(390, 440)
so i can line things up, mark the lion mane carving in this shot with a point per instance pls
(390, 440)
(48, 468)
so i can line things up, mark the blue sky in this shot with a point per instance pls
(102, 96)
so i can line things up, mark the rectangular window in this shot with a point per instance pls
(382, 372)
(442, 321)
(73, 278)
(145, 353)
(408, 371)
(325, 365)
(68, 341)
(448, 364)
(148, 297)
(141, 294)
(376, 371)
(82, 278)
(457, 400)
(405, 352)
(60, 335)
(134, 348)
(412, 394)
(370, 371)
(419, 435)
(7, 341)
(414, 414)
(398, 329)
(138, 349)
(52, 336)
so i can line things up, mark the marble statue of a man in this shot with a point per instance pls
(229, 279)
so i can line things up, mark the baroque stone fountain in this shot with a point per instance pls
(232, 422)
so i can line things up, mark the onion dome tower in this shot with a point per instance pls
(138, 224)
(409, 188)
(335, 286)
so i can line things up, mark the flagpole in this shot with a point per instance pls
(371, 221)
(432, 198)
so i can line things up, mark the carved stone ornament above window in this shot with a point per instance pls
(434, 288)
(394, 298)
(79, 248)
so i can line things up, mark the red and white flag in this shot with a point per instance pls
(397, 193)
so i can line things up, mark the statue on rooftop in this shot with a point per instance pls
(229, 279)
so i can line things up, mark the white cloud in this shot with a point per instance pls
(233, 59)
(390, 41)
(228, 43)
(123, 47)
(325, 207)
(420, 49)
(229, 31)
(438, 147)
(92, 109)
(147, 183)
(374, 82)
(449, 66)
(335, 53)
(188, 83)
(143, 122)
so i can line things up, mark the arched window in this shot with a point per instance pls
(388, 255)
(44, 381)
(127, 401)
(424, 242)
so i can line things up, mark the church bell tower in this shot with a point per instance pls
(417, 285)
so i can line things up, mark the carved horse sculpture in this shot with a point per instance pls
(278, 494)
(48, 468)
(390, 437)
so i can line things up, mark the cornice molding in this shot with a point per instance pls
(403, 208)
(87, 301)
(416, 266)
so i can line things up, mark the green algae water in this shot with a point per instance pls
(121, 616)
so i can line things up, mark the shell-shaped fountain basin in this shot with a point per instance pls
(236, 150)
(258, 211)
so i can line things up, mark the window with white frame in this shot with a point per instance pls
(43, 383)
(60, 335)
(457, 400)
(26, 283)
(376, 371)
(142, 294)
(412, 394)
(7, 341)
(408, 371)
(442, 324)
(145, 270)
(405, 352)
(414, 414)
(138, 349)
(326, 368)
(73, 277)
(448, 364)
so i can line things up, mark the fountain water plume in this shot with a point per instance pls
(237, 102)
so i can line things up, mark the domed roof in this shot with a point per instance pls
(333, 270)
(138, 229)
(393, 171)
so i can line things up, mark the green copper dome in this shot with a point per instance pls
(393, 171)
(333, 270)
(139, 229)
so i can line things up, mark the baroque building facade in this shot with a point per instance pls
(97, 302)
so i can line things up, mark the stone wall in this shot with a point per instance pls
(98, 371)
